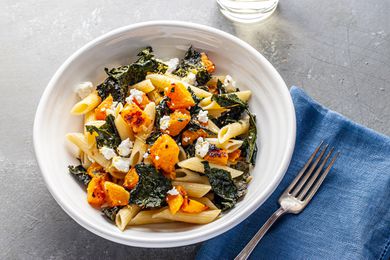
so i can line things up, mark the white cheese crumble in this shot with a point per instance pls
(190, 79)
(172, 64)
(135, 94)
(164, 122)
(229, 83)
(121, 164)
(107, 152)
(146, 155)
(173, 191)
(186, 139)
(157, 157)
(84, 89)
(202, 116)
(201, 147)
(124, 148)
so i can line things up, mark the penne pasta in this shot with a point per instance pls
(155, 96)
(123, 128)
(145, 217)
(195, 164)
(87, 104)
(230, 145)
(190, 176)
(91, 137)
(232, 130)
(195, 218)
(212, 127)
(195, 190)
(125, 214)
(145, 86)
(139, 149)
(206, 201)
(200, 93)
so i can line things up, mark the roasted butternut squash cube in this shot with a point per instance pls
(180, 97)
(116, 195)
(233, 156)
(131, 179)
(165, 154)
(189, 137)
(217, 155)
(193, 206)
(178, 120)
(175, 202)
(95, 191)
(210, 67)
(137, 119)
(95, 169)
(101, 110)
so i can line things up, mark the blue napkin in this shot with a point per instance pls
(348, 218)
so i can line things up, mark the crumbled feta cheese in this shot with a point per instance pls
(157, 157)
(172, 64)
(164, 122)
(229, 83)
(201, 147)
(124, 148)
(84, 89)
(129, 100)
(121, 164)
(146, 155)
(173, 191)
(186, 139)
(190, 79)
(202, 116)
(136, 94)
(107, 152)
(114, 104)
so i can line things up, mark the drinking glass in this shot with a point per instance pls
(247, 11)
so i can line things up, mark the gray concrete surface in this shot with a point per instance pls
(338, 51)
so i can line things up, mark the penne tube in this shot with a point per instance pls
(195, 190)
(123, 128)
(190, 176)
(195, 164)
(212, 127)
(87, 104)
(139, 149)
(200, 93)
(91, 137)
(195, 218)
(232, 130)
(125, 214)
(79, 140)
(155, 96)
(206, 201)
(145, 86)
(145, 217)
(230, 145)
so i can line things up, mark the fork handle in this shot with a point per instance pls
(245, 253)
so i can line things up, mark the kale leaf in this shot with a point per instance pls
(229, 100)
(153, 137)
(107, 134)
(120, 78)
(228, 117)
(192, 62)
(225, 191)
(162, 109)
(151, 188)
(220, 88)
(110, 213)
(241, 182)
(80, 173)
(250, 140)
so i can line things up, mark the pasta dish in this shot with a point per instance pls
(164, 141)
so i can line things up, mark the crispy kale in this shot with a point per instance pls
(151, 188)
(107, 134)
(225, 191)
(250, 140)
(120, 78)
(228, 117)
(110, 213)
(80, 173)
(162, 109)
(229, 100)
(153, 137)
(192, 62)
(220, 87)
(241, 182)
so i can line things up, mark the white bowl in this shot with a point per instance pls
(271, 102)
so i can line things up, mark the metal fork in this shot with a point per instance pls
(298, 194)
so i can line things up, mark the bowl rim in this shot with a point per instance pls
(179, 240)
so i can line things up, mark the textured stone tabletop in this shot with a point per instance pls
(338, 51)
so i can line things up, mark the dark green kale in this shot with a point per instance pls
(229, 100)
(192, 62)
(151, 189)
(225, 191)
(228, 117)
(120, 78)
(162, 109)
(190, 150)
(220, 88)
(110, 213)
(80, 173)
(107, 134)
(249, 145)
(241, 182)
(153, 137)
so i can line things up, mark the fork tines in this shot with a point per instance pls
(310, 177)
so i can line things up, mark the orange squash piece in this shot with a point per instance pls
(189, 137)
(143, 103)
(210, 67)
(178, 120)
(95, 169)
(176, 201)
(95, 191)
(217, 156)
(116, 195)
(165, 154)
(193, 206)
(180, 97)
(137, 119)
(131, 179)
(101, 110)
(233, 156)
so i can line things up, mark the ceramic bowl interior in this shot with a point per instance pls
(270, 101)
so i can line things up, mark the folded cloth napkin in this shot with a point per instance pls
(348, 218)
